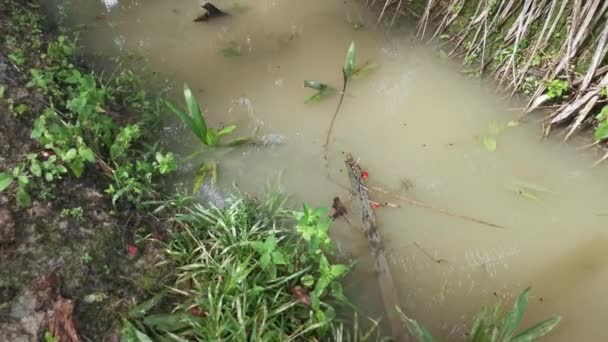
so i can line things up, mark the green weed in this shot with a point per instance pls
(556, 89)
(242, 274)
(491, 326)
(195, 121)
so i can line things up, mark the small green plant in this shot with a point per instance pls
(491, 326)
(20, 175)
(556, 89)
(195, 121)
(49, 337)
(76, 213)
(601, 131)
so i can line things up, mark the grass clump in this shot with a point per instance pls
(243, 273)
(491, 326)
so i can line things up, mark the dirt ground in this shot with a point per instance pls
(65, 262)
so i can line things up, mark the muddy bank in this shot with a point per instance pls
(66, 266)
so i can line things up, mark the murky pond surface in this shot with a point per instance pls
(417, 126)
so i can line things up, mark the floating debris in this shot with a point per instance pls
(212, 12)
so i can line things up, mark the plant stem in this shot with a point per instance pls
(333, 119)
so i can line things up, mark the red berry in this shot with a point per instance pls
(364, 175)
(375, 205)
(132, 250)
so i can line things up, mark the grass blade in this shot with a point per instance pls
(537, 331)
(513, 318)
(415, 328)
(198, 120)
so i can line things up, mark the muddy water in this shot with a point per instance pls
(416, 125)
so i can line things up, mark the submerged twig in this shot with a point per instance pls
(429, 255)
(430, 207)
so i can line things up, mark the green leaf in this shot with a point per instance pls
(23, 198)
(226, 130)
(489, 143)
(415, 328)
(35, 169)
(307, 280)
(513, 318)
(338, 270)
(48, 176)
(601, 132)
(77, 167)
(22, 180)
(195, 112)
(315, 85)
(86, 154)
(6, 179)
(271, 243)
(349, 62)
(537, 331)
(278, 258)
(70, 154)
(265, 260)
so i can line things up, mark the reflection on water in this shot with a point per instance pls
(417, 126)
(109, 4)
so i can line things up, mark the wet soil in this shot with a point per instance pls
(85, 250)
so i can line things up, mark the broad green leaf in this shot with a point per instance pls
(48, 176)
(35, 169)
(23, 198)
(87, 154)
(601, 131)
(489, 143)
(338, 270)
(5, 180)
(22, 180)
(513, 318)
(265, 260)
(70, 154)
(77, 167)
(271, 243)
(349, 62)
(278, 258)
(415, 328)
(537, 331)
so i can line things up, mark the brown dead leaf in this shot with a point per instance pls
(61, 321)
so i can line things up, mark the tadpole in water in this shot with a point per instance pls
(212, 12)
